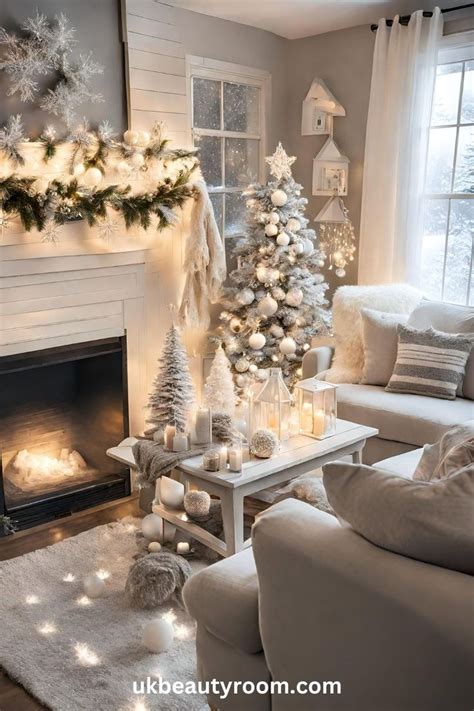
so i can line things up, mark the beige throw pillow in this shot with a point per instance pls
(380, 340)
(453, 452)
(428, 521)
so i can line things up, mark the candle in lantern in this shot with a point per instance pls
(203, 426)
(223, 458)
(319, 423)
(307, 424)
(170, 431)
(235, 458)
(180, 442)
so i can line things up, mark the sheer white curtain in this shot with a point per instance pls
(401, 93)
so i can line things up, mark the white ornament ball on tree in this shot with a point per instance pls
(308, 247)
(92, 177)
(152, 527)
(273, 275)
(241, 381)
(131, 138)
(287, 346)
(257, 341)
(158, 635)
(283, 240)
(262, 275)
(267, 306)
(137, 160)
(78, 170)
(274, 218)
(294, 297)
(271, 230)
(252, 368)
(264, 444)
(277, 331)
(245, 297)
(278, 293)
(279, 198)
(94, 586)
(293, 224)
(242, 365)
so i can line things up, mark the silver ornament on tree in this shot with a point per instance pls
(267, 306)
(245, 297)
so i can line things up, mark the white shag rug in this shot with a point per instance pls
(77, 654)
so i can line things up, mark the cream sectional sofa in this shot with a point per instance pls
(405, 422)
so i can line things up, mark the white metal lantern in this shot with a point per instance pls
(271, 406)
(317, 408)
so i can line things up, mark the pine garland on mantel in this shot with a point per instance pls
(162, 178)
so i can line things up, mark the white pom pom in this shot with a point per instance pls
(158, 635)
(283, 240)
(264, 443)
(287, 346)
(271, 230)
(274, 218)
(279, 198)
(253, 368)
(257, 341)
(277, 331)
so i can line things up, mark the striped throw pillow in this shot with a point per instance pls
(429, 363)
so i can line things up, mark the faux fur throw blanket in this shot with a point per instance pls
(204, 263)
(453, 453)
(153, 460)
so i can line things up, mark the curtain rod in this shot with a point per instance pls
(405, 19)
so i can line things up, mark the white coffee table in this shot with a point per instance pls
(296, 457)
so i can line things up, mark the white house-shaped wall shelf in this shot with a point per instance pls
(319, 107)
(330, 170)
(332, 211)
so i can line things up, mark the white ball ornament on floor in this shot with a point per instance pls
(283, 240)
(293, 224)
(245, 297)
(257, 341)
(274, 218)
(92, 176)
(158, 635)
(94, 586)
(287, 346)
(279, 198)
(267, 306)
(294, 297)
(131, 138)
(154, 547)
(152, 527)
(271, 230)
(264, 444)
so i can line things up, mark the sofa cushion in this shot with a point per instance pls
(453, 452)
(428, 521)
(224, 598)
(413, 419)
(450, 318)
(403, 464)
(346, 320)
(430, 363)
(380, 339)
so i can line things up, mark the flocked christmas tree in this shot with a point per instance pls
(219, 391)
(276, 303)
(172, 392)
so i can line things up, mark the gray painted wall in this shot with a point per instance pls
(98, 29)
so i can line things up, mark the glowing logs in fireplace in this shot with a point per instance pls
(32, 469)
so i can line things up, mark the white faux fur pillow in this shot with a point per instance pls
(348, 301)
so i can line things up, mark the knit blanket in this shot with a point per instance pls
(153, 460)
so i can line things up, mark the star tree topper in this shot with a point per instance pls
(280, 163)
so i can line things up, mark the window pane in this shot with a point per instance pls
(217, 200)
(433, 249)
(241, 108)
(446, 95)
(231, 260)
(440, 160)
(210, 155)
(459, 252)
(206, 103)
(235, 214)
(241, 161)
(467, 111)
(464, 179)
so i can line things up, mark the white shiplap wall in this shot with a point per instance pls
(156, 68)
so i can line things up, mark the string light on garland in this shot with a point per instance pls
(337, 237)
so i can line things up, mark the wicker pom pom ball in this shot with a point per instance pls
(152, 580)
(197, 503)
(264, 444)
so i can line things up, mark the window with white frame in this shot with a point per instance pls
(227, 121)
(448, 240)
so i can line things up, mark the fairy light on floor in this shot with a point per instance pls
(47, 628)
(83, 601)
(182, 632)
(103, 574)
(32, 599)
(85, 655)
(69, 578)
(169, 616)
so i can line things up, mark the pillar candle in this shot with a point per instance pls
(223, 458)
(170, 431)
(203, 433)
(319, 423)
(182, 548)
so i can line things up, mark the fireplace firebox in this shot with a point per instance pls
(60, 410)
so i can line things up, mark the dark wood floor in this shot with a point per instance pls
(12, 696)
